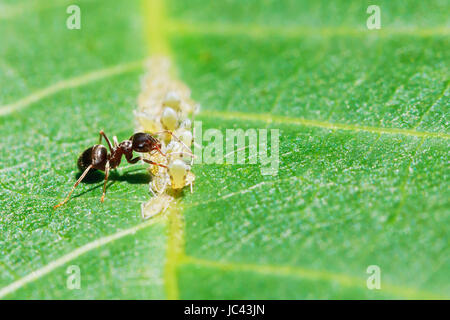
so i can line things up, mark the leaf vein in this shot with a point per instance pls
(265, 117)
(39, 273)
(69, 83)
(310, 274)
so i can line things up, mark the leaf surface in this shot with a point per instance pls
(363, 177)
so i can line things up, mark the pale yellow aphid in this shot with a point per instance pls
(184, 132)
(180, 174)
(159, 183)
(186, 137)
(177, 171)
(150, 122)
(158, 158)
(169, 119)
(186, 124)
(159, 203)
(177, 176)
(172, 100)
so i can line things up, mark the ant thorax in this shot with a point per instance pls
(126, 146)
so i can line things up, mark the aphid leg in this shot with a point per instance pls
(151, 190)
(106, 180)
(102, 134)
(178, 139)
(134, 160)
(160, 151)
(142, 210)
(74, 186)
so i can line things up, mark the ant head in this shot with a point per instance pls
(144, 142)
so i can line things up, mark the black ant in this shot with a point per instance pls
(98, 158)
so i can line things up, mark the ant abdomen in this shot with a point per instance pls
(95, 156)
(85, 159)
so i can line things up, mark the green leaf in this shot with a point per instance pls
(59, 87)
(363, 178)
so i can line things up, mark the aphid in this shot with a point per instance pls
(184, 132)
(178, 172)
(172, 100)
(169, 119)
(98, 158)
(177, 178)
(148, 121)
(155, 205)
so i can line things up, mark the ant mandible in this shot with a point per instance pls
(98, 158)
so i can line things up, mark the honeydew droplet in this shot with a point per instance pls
(169, 119)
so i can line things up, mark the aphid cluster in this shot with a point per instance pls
(165, 105)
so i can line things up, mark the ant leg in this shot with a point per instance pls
(102, 134)
(106, 180)
(134, 160)
(154, 163)
(74, 186)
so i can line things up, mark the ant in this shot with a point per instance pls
(98, 158)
